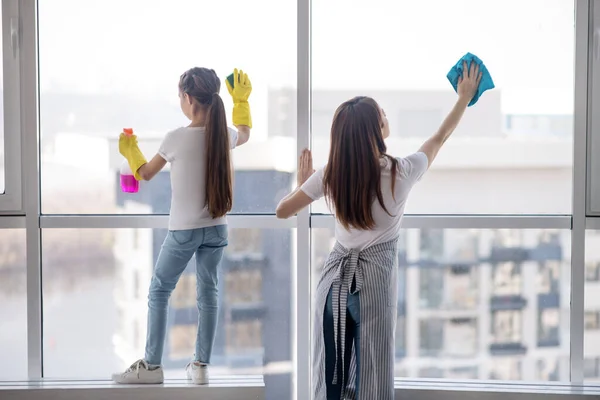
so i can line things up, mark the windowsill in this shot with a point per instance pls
(252, 387)
(480, 386)
(219, 388)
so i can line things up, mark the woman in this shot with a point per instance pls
(366, 189)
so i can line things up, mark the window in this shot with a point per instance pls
(181, 340)
(462, 286)
(454, 308)
(409, 82)
(420, 123)
(507, 327)
(549, 327)
(401, 336)
(243, 286)
(452, 287)
(548, 369)
(591, 368)
(462, 373)
(591, 322)
(321, 122)
(10, 112)
(472, 303)
(431, 372)
(431, 333)
(593, 141)
(80, 276)
(506, 369)
(432, 243)
(507, 279)
(533, 125)
(101, 80)
(2, 167)
(244, 337)
(549, 277)
(245, 241)
(431, 288)
(13, 305)
(592, 271)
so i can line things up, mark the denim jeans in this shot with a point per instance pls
(176, 252)
(352, 315)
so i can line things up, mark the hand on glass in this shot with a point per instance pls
(305, 167)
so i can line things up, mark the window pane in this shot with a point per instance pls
(478, 304)
(13, 305)
(95, 83)
(512, 153)
(2, 168)
(99, 279)
(591, 342)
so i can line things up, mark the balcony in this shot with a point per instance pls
(548, 300)
(507, 349)
(507, 302)
(546, 252)
(508, 254)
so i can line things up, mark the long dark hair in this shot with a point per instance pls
(353, 173)
(203, 85)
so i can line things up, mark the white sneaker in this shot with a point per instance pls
(140, 373)
(197, 373)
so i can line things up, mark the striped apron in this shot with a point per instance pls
(374, 273)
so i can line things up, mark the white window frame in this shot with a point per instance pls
(10, 200)
(593, 150)
(23, 102)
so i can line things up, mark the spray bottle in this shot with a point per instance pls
(128, 182)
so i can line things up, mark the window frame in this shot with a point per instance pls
(593, 137)
(11, 199)
(21, 100)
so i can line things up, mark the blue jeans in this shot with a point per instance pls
(176, 252)
(352, 315)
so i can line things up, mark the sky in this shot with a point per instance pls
(140, 47)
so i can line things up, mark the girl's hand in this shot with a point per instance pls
(242, 87)
(240, 91)
(128, 147)
(469, 81)
(305, 167)
(126, 143)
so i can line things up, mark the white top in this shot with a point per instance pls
(410, 170)
(185, 149)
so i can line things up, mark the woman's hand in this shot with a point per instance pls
(469, 81)
(305, 167)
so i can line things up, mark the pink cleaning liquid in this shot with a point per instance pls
(129, 184)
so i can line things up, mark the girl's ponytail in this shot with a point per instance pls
(219, 185)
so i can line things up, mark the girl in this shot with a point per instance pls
(201, 183)
(356, 299)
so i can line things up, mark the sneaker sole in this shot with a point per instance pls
(197, 381)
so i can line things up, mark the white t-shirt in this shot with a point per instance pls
(410, 170)
(185, 149)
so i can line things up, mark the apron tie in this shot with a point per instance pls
(348, 279)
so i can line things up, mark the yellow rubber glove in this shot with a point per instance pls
(239, 93)
(128, 147)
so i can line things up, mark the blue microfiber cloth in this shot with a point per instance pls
(486, 82)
